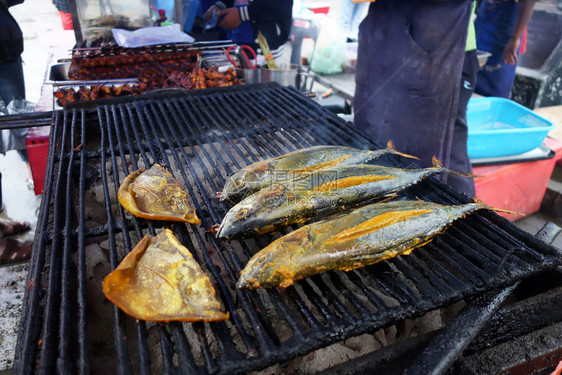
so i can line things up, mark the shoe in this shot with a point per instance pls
(12, 250)
(9, 228)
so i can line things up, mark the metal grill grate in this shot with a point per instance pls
(202, 137)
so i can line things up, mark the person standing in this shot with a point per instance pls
(499, 29)
(245, 18)
(408, 75)
(350, 17)
(12, 84)
(12, 87)
(63, 6)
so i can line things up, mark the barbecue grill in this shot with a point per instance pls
(203, 136)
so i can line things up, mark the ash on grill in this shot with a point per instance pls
(202, 137)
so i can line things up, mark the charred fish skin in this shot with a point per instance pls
(245, 181)
(285, 167)
(361, 238)
(320, 194)
(263, 212)
(388, 179)
(267, 172)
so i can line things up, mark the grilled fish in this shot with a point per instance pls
(154, 194)
(160, 281)
(363, 237)
(318, 195)
(285, 167)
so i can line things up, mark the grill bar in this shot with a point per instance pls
(124, 364)
(449, 343)
(63, 366)
(51, 324)
(29, 328)
(83, 363)
(202, 137)
(248, 308)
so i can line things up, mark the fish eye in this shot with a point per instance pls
(238, 183)
(261, 259)
(242, 213)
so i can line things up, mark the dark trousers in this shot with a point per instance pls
(12, 84)
(408, 74)
(459, 156)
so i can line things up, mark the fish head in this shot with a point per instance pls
(244, 182)
(256, 214)
(278, 264)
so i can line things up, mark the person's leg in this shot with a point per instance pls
(359, 12)
(407, 93)
(12, 85)
(494, 26)
(496, 77)
(459, 155)
(346, 13)
(12, 250)
(9, 228)
(66, 20)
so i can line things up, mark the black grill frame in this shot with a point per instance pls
(210, 134)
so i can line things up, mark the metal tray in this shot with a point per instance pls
(540, 153)
(58, 76)
(213, 53)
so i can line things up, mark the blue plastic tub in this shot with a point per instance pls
(501, 127)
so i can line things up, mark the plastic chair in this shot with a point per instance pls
(302, 28)
(310, 28)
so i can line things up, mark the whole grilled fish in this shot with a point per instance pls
(364, 236)
(318, 195)
(285, 167)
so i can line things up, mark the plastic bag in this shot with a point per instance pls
(14, 139)
(350, 57)
(329, 54)
(147, 36)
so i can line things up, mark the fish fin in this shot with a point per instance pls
(461, 174)
(391, 149)
(350, 181)
(375, 223)
(388, 197)
(478, 201)
(319, 166)
(438, 165)
(214, 228)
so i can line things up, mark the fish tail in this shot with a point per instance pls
(488, 207)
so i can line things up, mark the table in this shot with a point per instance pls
(343, 84)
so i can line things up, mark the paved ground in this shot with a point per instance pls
(38, 20)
